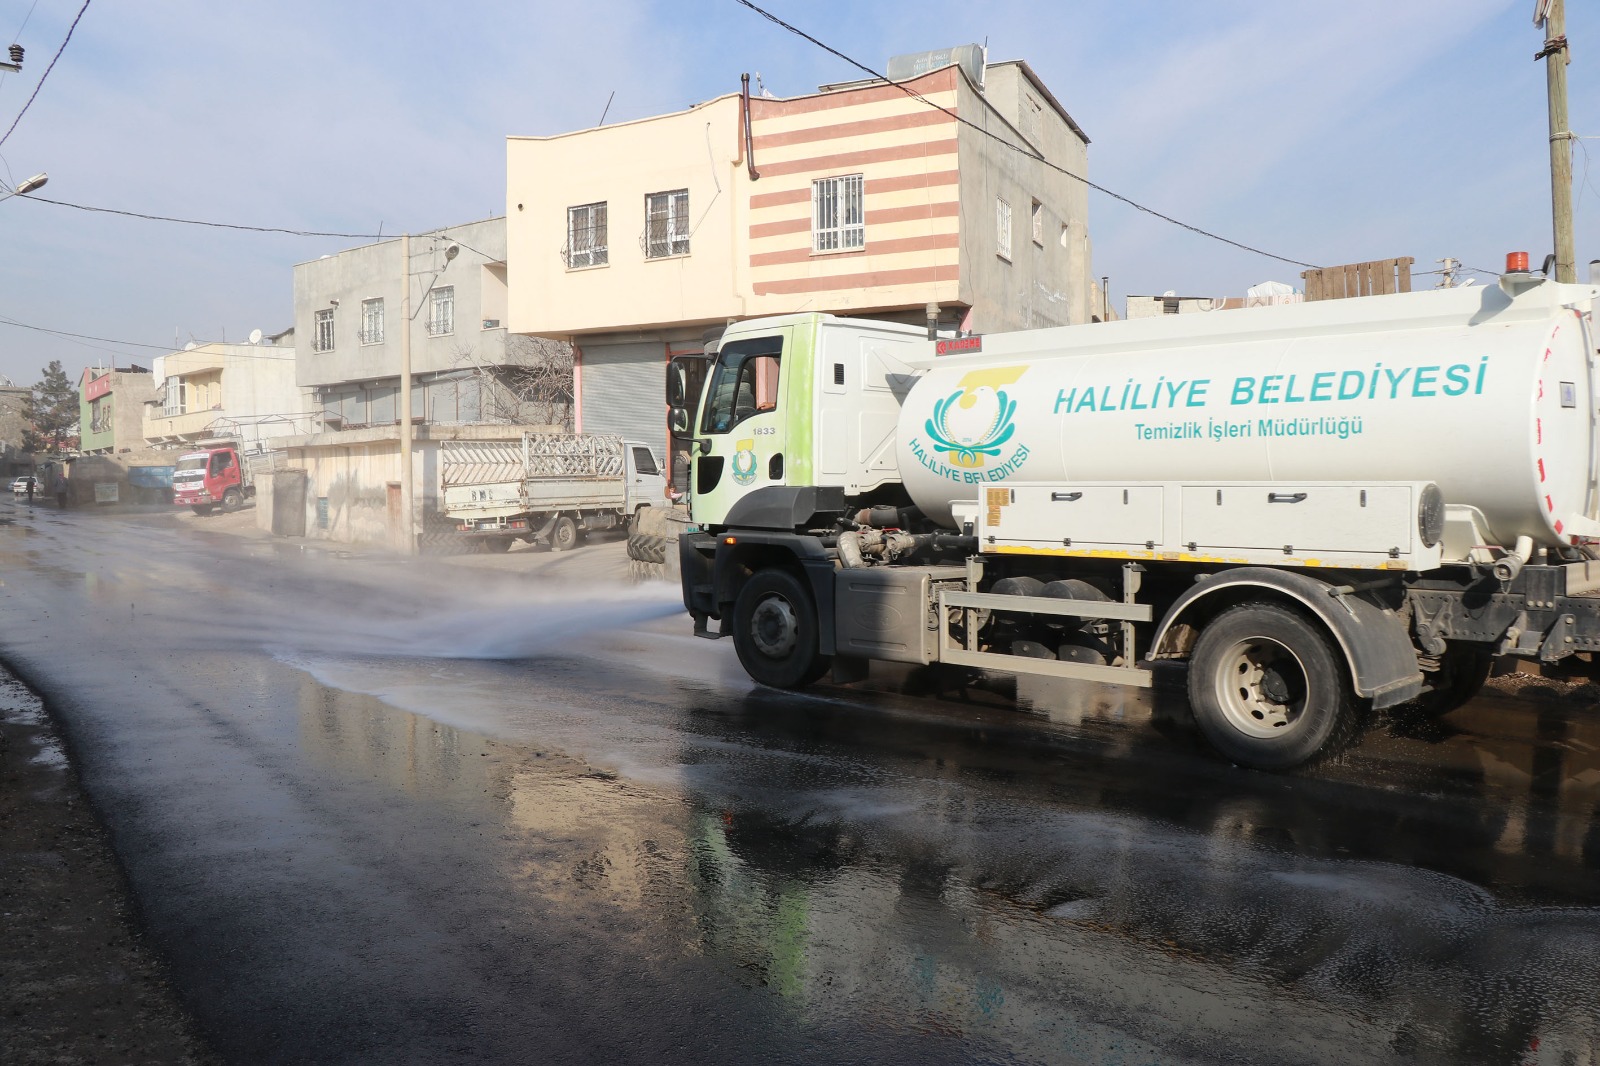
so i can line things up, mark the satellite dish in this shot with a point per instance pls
(191, 346)
(255, 336)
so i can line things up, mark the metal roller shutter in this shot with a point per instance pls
(624, 392)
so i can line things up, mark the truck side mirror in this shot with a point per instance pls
(677, 384)
(678, 421)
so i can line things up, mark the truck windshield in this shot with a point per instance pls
(197, 462)
(744, 383)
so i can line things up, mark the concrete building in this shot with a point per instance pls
(350, 317)
(111, 410)
(632, 240)
(246, 391)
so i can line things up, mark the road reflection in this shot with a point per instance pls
(1057, 886)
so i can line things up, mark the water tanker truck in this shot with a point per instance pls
(1323, 509)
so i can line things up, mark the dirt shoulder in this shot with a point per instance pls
(80, 983)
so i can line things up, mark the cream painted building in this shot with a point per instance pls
(633, 241)
(246, 391)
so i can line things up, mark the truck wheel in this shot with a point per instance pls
(232, 501)
(775, 631)
(1268, 688)
(496, 545)
(1461, 675)
(201, 509)
(564, 536)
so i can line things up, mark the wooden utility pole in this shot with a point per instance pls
(1556, 56)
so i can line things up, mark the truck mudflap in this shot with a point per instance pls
(697, 555)
(1383, 663)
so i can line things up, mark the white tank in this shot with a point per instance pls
(1492, 398)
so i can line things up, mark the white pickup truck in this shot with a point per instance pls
(551, 487)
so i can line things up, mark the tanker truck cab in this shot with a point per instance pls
(1322, 509)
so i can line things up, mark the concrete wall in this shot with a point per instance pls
(1046, 282)
(342, 282)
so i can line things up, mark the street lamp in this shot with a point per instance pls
(35, 182)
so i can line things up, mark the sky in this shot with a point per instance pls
(1320, 133)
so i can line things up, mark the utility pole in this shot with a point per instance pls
(408, 541)
(1447, 272)
(1553, 15)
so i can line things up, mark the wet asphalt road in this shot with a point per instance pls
(378, 811)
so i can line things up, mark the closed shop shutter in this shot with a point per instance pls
(624, 392)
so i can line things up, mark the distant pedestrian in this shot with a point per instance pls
(31, 483)
(61, 493)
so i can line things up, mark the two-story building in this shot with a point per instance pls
(445, 291)
(947, 193)
(244, 391)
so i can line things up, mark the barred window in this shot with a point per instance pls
(666, 224)
(838, 218)
(322, 337)
(372, 321)
(442, 311)
(1002, 228)
(586, 236)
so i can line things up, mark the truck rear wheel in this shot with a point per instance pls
(775, 631)
(232, 501)
(1268, 688)
(564, 535)
(201, 509)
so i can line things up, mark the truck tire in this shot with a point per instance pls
(201, 509)
(496, 545)
(1268, 688)
(775, 631)
(564, 535)
(645, 548)
(1463, 672)
(232, 501)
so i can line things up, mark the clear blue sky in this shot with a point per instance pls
(1327, 133)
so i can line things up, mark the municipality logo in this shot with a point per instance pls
(977, 419)
(971, 430)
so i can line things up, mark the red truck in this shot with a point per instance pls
(212, 477)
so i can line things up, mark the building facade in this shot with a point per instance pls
(245, 391)
(111, 410)
(942, 195)
(351, 312)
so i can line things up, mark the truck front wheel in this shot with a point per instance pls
(232, 501)
(775, 631)
(1268, 688)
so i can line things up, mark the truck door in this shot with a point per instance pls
(645, 483)
(743, 426)
(224, 471)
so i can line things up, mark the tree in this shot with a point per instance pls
(52, 413)
(533, 387)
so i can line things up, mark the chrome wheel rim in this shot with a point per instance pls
(1261, 688)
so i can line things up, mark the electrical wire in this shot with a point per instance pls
(287, 353)
(47, 71)
(1034, 155)
(198, 222)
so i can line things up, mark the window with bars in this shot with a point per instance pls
(1002, 229)
(322, 335)
(666, 224)
(442, 311)
(838, 217)
(586, 236)
(372, 321)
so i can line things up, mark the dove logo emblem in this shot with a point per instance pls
(976, 420)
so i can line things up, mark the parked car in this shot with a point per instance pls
(19, 487)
